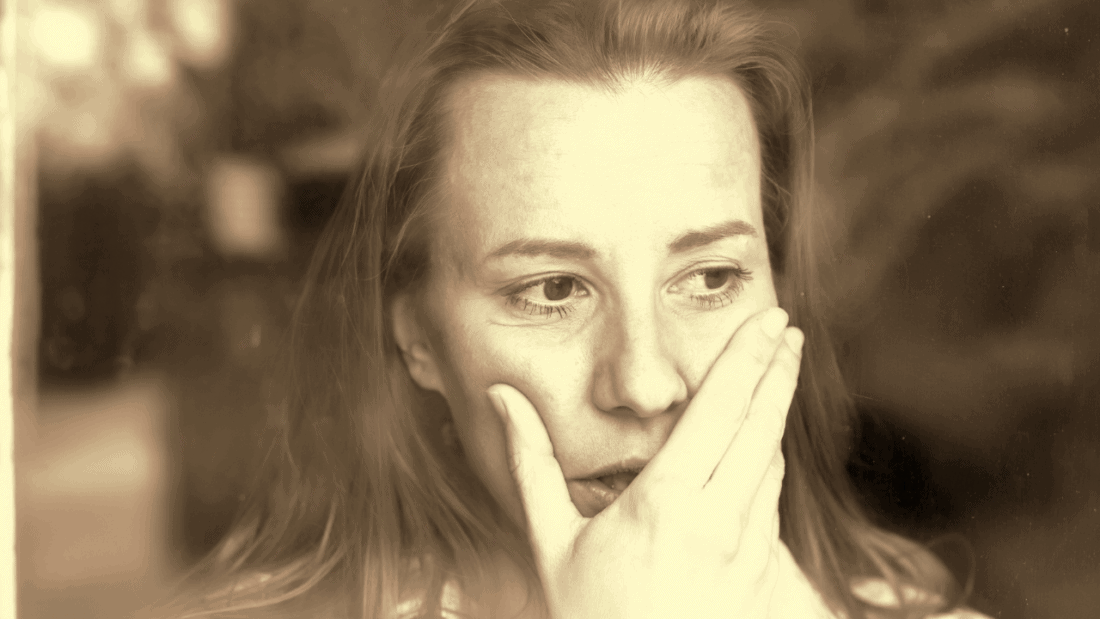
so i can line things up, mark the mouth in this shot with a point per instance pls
(597, 492)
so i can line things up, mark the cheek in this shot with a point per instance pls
(557, 375)
(480, 431)
(553, 378)
(478, 355)
(699, 342)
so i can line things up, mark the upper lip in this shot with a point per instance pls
(629, 465)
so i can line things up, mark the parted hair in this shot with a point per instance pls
(362, 496)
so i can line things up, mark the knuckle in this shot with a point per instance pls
(775, 433)
(790, 362)
(521, 472)
(730, 546)
(761, 354)
(742, 523)
(526, 471)
(776, 473)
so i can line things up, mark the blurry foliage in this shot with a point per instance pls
(957, 149)
(307, 68)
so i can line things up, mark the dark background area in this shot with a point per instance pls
(957, 151)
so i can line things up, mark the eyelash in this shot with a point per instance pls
(714, 300)
(541, 309)
(725, 296)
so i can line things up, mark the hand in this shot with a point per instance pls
(697, 532)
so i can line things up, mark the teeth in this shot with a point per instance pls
(618, 481)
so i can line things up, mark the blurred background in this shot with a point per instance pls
(190, 151)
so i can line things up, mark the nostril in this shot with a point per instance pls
(635, 375)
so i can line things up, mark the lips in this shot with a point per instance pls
(619, 481)
(596, 493)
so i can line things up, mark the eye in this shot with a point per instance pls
(558, 288)
(547, 296)
(715, 278)
(712, 287)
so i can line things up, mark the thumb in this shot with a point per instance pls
(552, 518)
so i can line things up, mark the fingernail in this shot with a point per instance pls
(795, 338)
(774, 322)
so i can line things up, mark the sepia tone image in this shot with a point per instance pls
(552, 309)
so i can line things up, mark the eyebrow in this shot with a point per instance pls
(566, 250)
(701, 238)
(571, 250)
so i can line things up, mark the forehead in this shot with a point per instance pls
(528, 157)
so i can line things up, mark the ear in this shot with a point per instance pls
(415, 348)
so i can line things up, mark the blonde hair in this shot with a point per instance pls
(358, 480)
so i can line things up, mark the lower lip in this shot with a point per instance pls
(591, 496)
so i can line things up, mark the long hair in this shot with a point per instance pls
(361, 495)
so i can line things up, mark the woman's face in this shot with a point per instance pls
(596, 251)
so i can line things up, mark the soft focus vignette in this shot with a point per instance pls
(189, 152)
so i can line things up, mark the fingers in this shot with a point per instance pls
(746, 463)
(759, 522)
(753, 536)
(705, 431)
(551, 515)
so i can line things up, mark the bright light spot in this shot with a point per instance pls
(243, 208)
(67, 37)
(203, 28)
(147, 60)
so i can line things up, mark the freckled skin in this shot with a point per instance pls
(611, 368)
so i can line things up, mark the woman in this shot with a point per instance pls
(538, 366)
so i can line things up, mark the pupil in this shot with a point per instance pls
(558, 288)
(715, 279)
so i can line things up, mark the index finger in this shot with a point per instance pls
(714, 415)
(746, 464)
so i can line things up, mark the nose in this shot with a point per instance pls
(635, 372)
